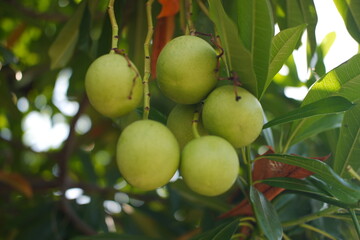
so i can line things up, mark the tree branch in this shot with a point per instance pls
(74, 218)
(63, 159)
(68, 148)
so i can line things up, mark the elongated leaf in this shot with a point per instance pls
(237, 56)
(62, 49)
(310, 18)
(328, 105)
(113, 236)
(283, 44)
(344, 216)
(327, 42)
(338, 187)
(308, 128)
(321, 51)
(223, 231)
(355, 220)
(350, 12)
(319, 184)
(213, 203)
(300, 12)
(294, 184)
(227, 231)
(348, 147)
(262, 34)
(266, 215)
(342, 81)
(256, 27)
(244, 15)
(303, 187)
(293, 13)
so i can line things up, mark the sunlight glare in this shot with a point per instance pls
(69, 108)
(40, 134)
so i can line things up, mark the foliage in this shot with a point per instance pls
(58, 173)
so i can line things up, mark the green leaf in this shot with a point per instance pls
(355, 220)
(342, 81)
(238, 58)
(256, 28)
(327, 42)
(262, 34)
(223, 231)
(266, 215)
(112, 236)
(210, 202)
(350, 12)
(244, 15)
(294, 184)
(296, 12)
(303, 187)
(62, 49)
(328, 105)
(310, 18)
(318, 62)
(283, 44)
(318, 124)
(293, 13)
(338, 187)
(348, 147)
(344, 216)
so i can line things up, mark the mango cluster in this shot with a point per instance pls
(148, 152)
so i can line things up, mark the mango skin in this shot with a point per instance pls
(239, 122)
(108, 84)
(185, 69)
(180, 123)
(148, 154)
(209, 165)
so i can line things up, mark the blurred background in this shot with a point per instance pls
(58, 175)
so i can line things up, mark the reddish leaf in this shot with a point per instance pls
(263, 169)
(164, 29)
(17, 181)
(169, 8)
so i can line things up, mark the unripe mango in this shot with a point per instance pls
(112, 86)
(186, 69)
(148, 154)
(238, 121)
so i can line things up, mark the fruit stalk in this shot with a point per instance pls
(115, 28)
(188, 12)
(245, 153)
(355, 220)
(147, 66)
(203, 8)
(352, 172)
(195, 122)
